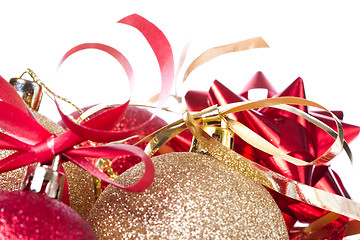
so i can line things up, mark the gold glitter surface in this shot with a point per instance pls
(11, 181)
(48, 124)
(193, 196)
(81, 189)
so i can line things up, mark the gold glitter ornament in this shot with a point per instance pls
(193, 196)
(81, 189)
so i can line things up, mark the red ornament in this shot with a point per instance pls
(28, 215)
(134, 117)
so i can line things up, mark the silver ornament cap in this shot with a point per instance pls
(45, 179)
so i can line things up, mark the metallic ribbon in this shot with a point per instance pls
(217, 51)
(258, 173)
(334, 150)
(261, 174)
(277, 182)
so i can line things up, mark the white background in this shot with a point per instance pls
(318, 41)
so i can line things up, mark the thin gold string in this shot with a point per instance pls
(48, 91)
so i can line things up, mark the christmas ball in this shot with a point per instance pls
(80, 183)
(134, 117)
(193, 196)
(81, 189)
(28, 215)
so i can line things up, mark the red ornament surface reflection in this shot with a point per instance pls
(28, 215)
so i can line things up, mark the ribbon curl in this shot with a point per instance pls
(33, 143)
(258, 173)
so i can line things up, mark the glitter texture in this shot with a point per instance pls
(11, 181)
(193, 196)
(81, 189)
(28, 215)
(48, 124)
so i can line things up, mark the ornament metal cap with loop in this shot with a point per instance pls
(31, 93)
(45, 179)
(29, 90)
(217, 128)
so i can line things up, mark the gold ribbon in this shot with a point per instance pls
(333, 151)
(229, 48)
(254, 139)
(258, 173)
(337, 205)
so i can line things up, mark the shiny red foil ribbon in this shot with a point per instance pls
(288, 132)
(161, 48)
(33, 143)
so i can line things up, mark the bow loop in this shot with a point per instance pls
(19, 125)
(20, 131)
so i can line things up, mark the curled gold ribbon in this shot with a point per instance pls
(277, 182)
(217, 51)
(270, 179)
(253, 139)
(288, 187)
(333, 151)
(258, 173)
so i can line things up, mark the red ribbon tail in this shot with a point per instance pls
(76, 156)
(16, 160)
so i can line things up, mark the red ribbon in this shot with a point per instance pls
(162, 49)
(35, 144)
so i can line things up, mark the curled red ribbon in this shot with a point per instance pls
(21, 132)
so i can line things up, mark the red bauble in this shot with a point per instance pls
(28, 215)
(134, 117)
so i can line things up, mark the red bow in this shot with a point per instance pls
(33, 143)
(286, 131)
